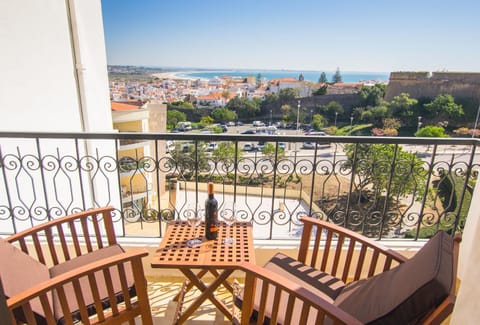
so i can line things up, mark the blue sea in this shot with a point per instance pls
(274, 74)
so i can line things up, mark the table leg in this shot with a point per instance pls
(190, 284)
(207, 292)
(226, 284)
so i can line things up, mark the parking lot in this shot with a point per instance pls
(254, 146)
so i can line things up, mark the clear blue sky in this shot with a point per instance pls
(354, 35)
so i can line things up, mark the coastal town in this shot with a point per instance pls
(399, 106)
(171, 87)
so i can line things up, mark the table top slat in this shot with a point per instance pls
(174, 252)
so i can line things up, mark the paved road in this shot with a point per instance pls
(444, 153)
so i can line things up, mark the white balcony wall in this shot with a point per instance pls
(53, 64)
(54, 79)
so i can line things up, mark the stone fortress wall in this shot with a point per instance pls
(427, 84)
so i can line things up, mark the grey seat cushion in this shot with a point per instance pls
(404, 294)
(87, 294)
(19, 272)
(320, 283)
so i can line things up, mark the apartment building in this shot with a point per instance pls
(138, 186)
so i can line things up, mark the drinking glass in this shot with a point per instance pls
(228, 214)
(194, 215)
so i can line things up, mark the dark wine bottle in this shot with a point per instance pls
(211, 218)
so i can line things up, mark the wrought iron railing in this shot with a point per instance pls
(381, 187)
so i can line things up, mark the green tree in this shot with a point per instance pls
(318, 121)
(368, 161)
(225, 152)
(269, 151)
(206, 120)
(173, 117)
(287, 94)
(244, 107)
(287, 113)
(391, 123)
(331, 108)
(271, 99)
(183, 159)
(223, 114)
(372, 95)
(337, 77)
(320, 91)
(403, 106)
(444, 106)
(323, 78)
(180, 104)
(258, 80)
(431, 131)
(375, 114)
(225, 95)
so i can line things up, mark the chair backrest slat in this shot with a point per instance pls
(97, 231)
(76, 242)
(289, 309)
(276, 303)
(63, 242)
(80, 300)
(51, 246)
(38, 248)
(326, 251)
(361, 260)
(316, 247)
(348, 260)
(92, 281)
(338, 254)
(373, 263)
(86, 234)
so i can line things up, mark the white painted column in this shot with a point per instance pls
(467, 307)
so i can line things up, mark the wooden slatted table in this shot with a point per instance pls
(210, 256)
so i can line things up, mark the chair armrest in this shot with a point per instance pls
(57, 284)
(87, 230)
(307, 305)
(338, 253)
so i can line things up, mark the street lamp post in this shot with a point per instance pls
(351, 124)
(476, 121)
(336, 114)
(271, 117)
(419, 125)
(298, 114)
(311, 116)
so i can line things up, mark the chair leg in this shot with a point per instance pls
(181, 297)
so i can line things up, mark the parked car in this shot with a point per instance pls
(184, 126)
(260, 145)
(308, 145)
(212, 146)
(249, 132)
(248, 147)
(282, 145)
(239, 123)
(230, 123)
(319, 133)
(224, 127)
(258, 123)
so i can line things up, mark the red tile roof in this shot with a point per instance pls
(283, 80)
(125, 106)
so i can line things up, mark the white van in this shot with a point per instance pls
(184, 126)
(258, 123)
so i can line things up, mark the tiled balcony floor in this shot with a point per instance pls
(161, 291)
